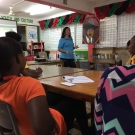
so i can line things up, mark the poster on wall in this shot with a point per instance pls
(32, 33)
(90, 31)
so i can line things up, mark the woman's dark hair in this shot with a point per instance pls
(128, 43)
(14, 35)
(9, 49)
(63, 32)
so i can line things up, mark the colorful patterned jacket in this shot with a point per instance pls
(115, 102)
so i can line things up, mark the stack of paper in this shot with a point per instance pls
(77, 79)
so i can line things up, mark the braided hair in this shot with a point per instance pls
(9, 49)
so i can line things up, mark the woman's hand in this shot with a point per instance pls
(67, 52)
(76, 47)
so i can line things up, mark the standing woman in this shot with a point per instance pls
(66, 47)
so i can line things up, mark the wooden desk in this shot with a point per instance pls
(60, 62)
(53, 71)
(85, 91)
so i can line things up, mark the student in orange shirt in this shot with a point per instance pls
(26, 71)
(25, 94)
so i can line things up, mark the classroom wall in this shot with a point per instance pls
(115, 31)
(51, 37)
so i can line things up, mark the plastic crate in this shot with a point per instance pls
(102, 67)
(84, 64)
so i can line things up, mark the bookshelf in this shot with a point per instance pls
(36, 47)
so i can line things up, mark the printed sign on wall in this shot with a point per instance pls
(32, 33)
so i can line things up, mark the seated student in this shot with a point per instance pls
(123, 56)
(26, 95)
(77, 108)
(115, 102)
(132, 51)
(26, 71)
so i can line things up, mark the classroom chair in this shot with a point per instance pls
(7, 120)
(84, 64)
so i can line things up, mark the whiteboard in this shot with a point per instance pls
(6, 26)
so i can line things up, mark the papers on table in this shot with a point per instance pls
(77, 79)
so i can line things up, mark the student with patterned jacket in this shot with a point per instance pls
(115, 100)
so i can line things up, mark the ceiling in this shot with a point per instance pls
(20, 9)
(25, 5)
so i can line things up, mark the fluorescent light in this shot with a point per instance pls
(39, 9)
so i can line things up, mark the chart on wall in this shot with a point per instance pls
(32, 33)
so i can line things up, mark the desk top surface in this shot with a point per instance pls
(43, 63)
(53, 71)
(85, 88)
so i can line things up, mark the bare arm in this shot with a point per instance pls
(40, 117)
(61, 50)
(32, 73)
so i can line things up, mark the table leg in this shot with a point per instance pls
(62, 63)
(92, 113)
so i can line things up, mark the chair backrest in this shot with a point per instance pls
(7, 119)
(102, 67)
(84, 64)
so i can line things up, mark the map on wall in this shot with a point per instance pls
(32, 33)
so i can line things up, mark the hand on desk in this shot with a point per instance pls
(39, 70)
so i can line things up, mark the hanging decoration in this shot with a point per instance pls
(127, 6)
(42, 23)
(50, 24)
(60, 21)
(82, 18)
(113, 9)
(55, 22)
(71, 18)
(66, 19)
(47, 23)
(78, 17)
(102, 15)
(131, 8)
(123, 6)
(63, 20)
